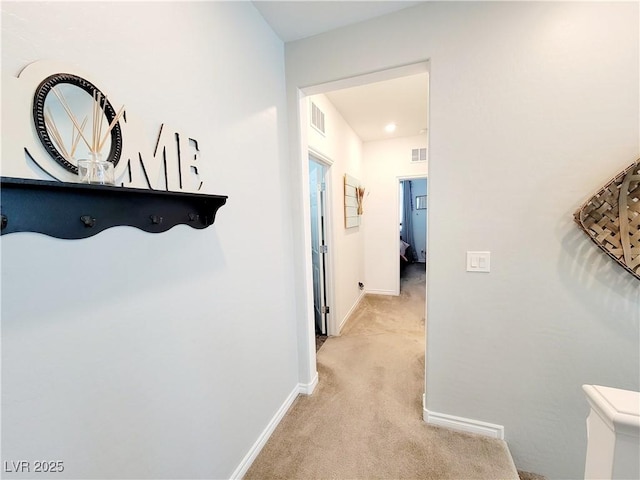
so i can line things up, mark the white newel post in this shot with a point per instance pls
(613, 433)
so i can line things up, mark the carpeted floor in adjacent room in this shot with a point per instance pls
(364, 421)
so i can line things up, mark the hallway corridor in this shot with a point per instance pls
(364, 421)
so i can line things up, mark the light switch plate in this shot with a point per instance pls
(479, 262)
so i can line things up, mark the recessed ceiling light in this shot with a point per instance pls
(390, 128)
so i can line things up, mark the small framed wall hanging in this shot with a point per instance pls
(353, 195)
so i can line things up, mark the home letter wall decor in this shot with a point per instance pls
(47, 93)
(57, 124)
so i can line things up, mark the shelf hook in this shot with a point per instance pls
(88, 221)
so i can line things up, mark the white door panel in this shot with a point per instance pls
(316, 182)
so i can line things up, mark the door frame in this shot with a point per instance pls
(328, 236)
(307, 367)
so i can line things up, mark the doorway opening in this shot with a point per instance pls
(412, 215)
(351, 281)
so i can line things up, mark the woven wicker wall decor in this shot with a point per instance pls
(611, 218)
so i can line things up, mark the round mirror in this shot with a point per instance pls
(73, 119)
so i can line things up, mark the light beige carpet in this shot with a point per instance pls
(364, 421)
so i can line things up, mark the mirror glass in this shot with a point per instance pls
(71, 124)
(68, 108)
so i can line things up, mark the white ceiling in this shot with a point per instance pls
(367, 109)
(293, 20)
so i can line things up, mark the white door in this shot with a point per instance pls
(318, 245)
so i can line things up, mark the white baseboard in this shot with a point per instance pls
(248, 459)
(308, 388)
(351, 310)
(461, 424)
(383, 292)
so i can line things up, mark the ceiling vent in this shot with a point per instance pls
(419, 155)
(317, 118)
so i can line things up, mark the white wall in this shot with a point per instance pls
(385, 163)
(168, 358)
(532, 106)
(343, 147)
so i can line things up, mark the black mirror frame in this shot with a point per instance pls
(38, 118)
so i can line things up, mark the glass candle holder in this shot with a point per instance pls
(95, 170)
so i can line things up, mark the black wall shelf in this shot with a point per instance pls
(74, 210)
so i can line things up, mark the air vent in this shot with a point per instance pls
(419, 155)
(317, 118)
